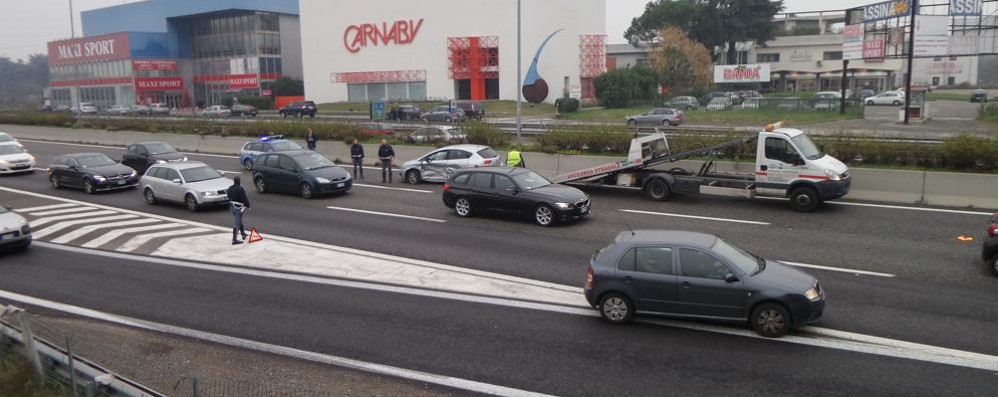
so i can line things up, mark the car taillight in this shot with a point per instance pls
(993, 230)
(446, 187)
(487, 162)
(589, 277)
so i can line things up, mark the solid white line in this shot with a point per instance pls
(69, 237)
(696, 217)
(230, 172)
(394, 188)
(42, 221)
(39, 169)
(893, 207)
(45, 231)
(419, 376)
(137, 241)
(419, 218)
(839, 269)
(107, 237)
(62, 211)
(44, 207)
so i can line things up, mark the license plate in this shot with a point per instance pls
(340, 185)
(121, 182)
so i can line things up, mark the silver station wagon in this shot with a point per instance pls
(191, 183)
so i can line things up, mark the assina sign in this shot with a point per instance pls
(400, 32)
(887, 10)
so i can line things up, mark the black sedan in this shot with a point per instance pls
(513, 191)
(91, 172)
(140, 156)
(243, 110)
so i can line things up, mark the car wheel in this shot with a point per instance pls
(869, 103)
(462, 207)
(666, 123)
(284, 115)
(544, 215)
(993, 264)
(248, 164)
(54, 181)
(632, 123)
(657, 190)
(615, 308)
(896, 103)
(804, 199)
(88, 186)
(305, 190)
(447, 120)
(771, 320)
(150, 196)
(311, 116)
(261, 187)
(412, 176)
(191, 203)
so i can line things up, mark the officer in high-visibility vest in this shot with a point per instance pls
(513, 158)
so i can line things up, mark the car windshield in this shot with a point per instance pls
(199, 174)
(3, 209)
(807, 147)
(737, 256)
(160, 148)
(5, 138)
(283, 146)
(313, 161)
(10, 149)
(96, 160)
(530, 180)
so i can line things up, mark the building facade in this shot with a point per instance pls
(449, 49)
(179, 52)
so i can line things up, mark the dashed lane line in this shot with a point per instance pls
(418, 218)
(708, 218)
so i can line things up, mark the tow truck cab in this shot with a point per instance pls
(788, 163)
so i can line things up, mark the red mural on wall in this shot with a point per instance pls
(400, 32)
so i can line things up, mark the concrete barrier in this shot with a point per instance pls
(888, 186)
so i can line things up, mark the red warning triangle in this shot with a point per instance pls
(254, 236)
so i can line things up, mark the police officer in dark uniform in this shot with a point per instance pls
(386, 153)
(239, 204)
(357, 155)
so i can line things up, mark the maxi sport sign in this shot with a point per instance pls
(89, 49)
(753, 73)
(401, 32)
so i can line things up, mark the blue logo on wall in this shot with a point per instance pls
(535, 89)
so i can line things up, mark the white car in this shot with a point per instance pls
(120, 110)
(216, 111)
(895, 98)
(85, 108)
(15, 232)
(439, 134)
(194, 184)
(6, 138)
(720, 103)
(159, 109)
(14, 159)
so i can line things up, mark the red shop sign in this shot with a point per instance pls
(356, 37)
(150, 65)
(243, 81)
(96, 48)
(159, 84)
(873, 49)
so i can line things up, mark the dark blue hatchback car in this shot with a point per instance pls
(302, 172)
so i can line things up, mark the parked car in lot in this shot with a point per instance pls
(989, 251)
(266, 144)
(376, 129)
(895, 98)
(299, 109)
(473, 110)
(438, 134)
(215, 111)
(14, 159)
(698, 276)
(141, 110)
(444, 114)
(85, 108)
(91, 172)
(410, 112)
(440, 164)
(517, 192)
(15, 231)
(682, 103)
(752, 103)
(791, 104)
(159, 109)
(826, 100)
(307, 173)
(243, 110)
(720, 103)
(659, 116)
(120, 110)
(191, 183)
(865, 93)
(978, 96)
(140, 156)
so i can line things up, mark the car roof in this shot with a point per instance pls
(85, 154)
(182, 165)
(151, 143)
(495, 170)
(678, 237)
(466, 147)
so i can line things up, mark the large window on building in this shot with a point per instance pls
(832, 55)
(408, 91)
(102, 97)
(767, 58)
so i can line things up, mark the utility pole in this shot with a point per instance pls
(911, 58)
(74, 95)
(842, 84)
(519, 73)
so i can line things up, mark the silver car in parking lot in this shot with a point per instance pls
(440, 164)
(14, 230)
(194, 184)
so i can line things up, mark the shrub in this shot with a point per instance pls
(619, 88)
(970, 152)
(480, 133)
(567, 105)
(592, 139)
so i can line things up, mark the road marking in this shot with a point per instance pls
(62, 211)
(138, 241)
(394, 188)
(69, 237)
(839, 269)
(39, 169)
(42, 221)
(230, 172)
(419, 218)
(116, 147)
(107, 237)
(45, 207)
(893, 207)
(696, 217)
(45, 231)
(381, 369)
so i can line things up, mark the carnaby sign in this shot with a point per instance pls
(400, 32)
(755, 73)
(97, 48)
(159, 84)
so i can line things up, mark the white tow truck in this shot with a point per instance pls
(788, 165)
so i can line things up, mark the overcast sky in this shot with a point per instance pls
(26, 25)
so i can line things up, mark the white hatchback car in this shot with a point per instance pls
(15, 232)
(14, 159)
(440, 164)
(895, 98)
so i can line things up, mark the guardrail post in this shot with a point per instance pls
(28, 338)
(197, 386)
(72, 365)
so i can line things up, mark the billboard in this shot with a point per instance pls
(886, 10)
(932, 35)
(243, 81)
(154, 65)
(965, 7)
(753, 73)
(874, 49)
(89, 49)
(159, 84)
(852, 42)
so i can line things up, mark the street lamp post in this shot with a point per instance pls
(519, 74)
(74, 95)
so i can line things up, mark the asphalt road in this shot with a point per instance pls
(538, 351)
(941, 293)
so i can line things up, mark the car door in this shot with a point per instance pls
(130, 156)
(286, 175)
(155, 179)
(73, 174)
(457, 159)
(482, 193)
(508, 197)
(779, 165)
(433, 167)
(648, 271)
(703, 290)
(171, 189)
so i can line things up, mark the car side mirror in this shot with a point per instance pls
(177, 181)
(513, 190)
(731, 278)
(74, 168)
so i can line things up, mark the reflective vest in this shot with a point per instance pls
(513, 159)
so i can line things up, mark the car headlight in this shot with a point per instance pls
(4, 162)
(812, 294)
(133, 174)
(833, 176)
(209, 194)
(563, 206)
(160, 161)
(185, 158)
(99, 178)
(32, 158)
(322, 180)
